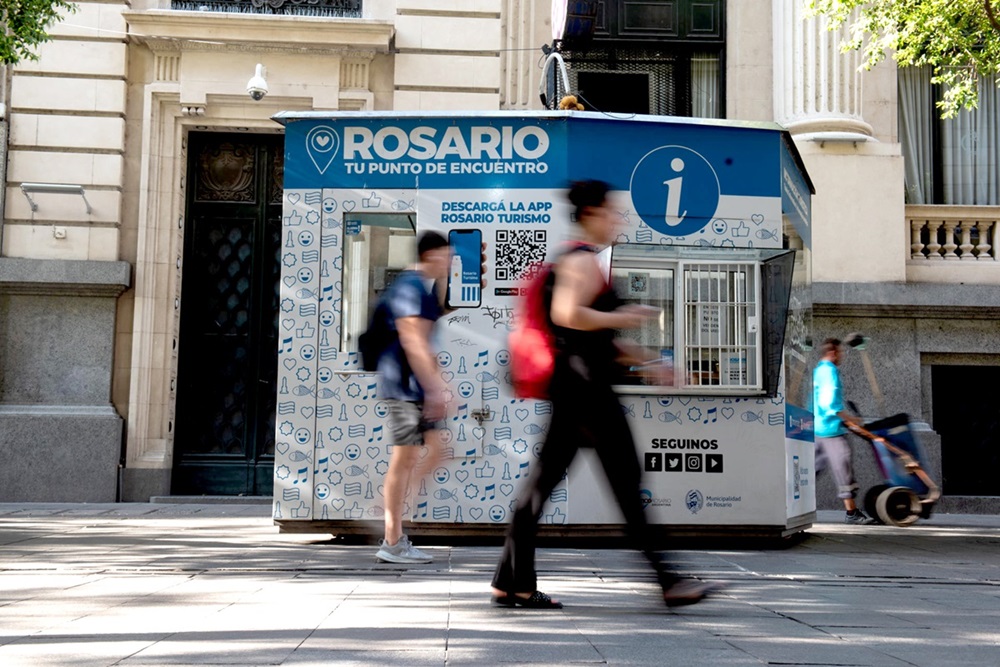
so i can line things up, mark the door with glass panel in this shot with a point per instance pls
(227, 352)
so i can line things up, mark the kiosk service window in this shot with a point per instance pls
(722, 313)
(377, 246)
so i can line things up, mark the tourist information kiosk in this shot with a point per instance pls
(704, 207)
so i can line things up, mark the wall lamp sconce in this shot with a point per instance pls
(53, 189)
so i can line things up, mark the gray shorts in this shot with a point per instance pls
(835, 453)
(407, 424)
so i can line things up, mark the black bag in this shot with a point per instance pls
(377, 338)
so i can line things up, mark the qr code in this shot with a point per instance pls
(519, 251)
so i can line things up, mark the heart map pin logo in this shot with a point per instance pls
(322, 143)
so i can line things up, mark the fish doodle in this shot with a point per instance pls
(750, 416)
(445, 494)
(493, 450)
(354, 471)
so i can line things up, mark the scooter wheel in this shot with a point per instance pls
(870, 497)
(898, 506)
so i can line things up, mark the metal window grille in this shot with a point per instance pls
(668, 73)
(327, 8)
(721, 345)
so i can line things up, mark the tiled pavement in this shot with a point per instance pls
(152, 584)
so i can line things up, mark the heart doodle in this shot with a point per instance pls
(462, 475)
(506, 489)
(728, 413)
(373, 452)
(757, 218)
(476, 513)
(521, 414)
(294, 198)
(337, 503)
(289, 364)
(349, 205)
(287, 323)
(336, 458)
(479, 432)
(361, 410)
(281, 447)
(307, 411)
(288, 280)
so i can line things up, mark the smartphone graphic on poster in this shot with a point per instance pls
(464, 278)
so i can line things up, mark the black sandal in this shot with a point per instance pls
(688, 592)
(537, 600)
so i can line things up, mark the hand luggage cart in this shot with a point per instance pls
(907, 492)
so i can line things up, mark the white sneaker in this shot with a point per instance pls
(401, 552)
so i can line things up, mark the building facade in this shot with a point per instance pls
(138, 314)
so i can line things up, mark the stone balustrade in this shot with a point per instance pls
(958, 233)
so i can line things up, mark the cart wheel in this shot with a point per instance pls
(898, 506)
(925, 510)
(870, 497)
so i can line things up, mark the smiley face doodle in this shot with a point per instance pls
(719, 226)
(536, 449)
(326, 318)
(381, 409)
(442, 475)
(305, 238)
(466, 389)
(302, 436)
(305, 275)
(497, 513)
(444, 359)
(446, 436)
(324, 375)
(503, 358)
(352, 452)
(322, 491)
(307, 352)
(329, 205)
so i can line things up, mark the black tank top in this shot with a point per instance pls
(596, 349)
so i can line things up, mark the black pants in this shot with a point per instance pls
(584, 413)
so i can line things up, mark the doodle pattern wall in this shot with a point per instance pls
(332, 450)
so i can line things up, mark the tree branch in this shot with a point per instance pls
(991, 15)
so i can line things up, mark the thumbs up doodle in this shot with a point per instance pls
(557, 517)
(487, 471)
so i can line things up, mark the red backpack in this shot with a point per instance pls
(531, 343)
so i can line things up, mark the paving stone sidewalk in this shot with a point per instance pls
(152, 584)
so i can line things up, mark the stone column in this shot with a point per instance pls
(817, 89)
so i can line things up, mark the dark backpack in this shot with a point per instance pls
(531, 343)
(377, 338)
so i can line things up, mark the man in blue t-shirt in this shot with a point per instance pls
(832, 423)
(411, 385)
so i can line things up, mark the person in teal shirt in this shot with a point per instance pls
(831, 425)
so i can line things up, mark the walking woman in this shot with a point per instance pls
(584, 313)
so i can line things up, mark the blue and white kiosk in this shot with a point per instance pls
(704, 205)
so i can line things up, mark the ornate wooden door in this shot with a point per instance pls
(227, 356)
